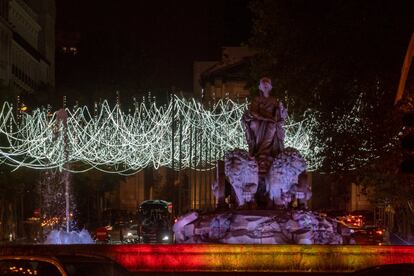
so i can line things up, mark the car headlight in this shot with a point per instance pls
(165, 238)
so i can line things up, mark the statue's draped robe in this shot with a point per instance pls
(264, 137)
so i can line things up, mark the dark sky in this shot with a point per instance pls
(147, 44)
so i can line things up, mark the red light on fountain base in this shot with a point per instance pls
(260, 257)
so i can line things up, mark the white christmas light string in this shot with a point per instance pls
(111, 140)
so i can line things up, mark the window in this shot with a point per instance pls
(28, 267)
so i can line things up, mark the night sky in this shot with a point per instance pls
(146, 45)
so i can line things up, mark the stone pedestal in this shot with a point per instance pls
(257, 227)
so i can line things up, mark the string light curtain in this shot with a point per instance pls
(117, 141)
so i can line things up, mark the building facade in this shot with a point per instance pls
(226, 78)
(27, 45)
(187, 190)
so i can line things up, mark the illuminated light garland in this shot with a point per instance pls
(111, 140)
(354, 142)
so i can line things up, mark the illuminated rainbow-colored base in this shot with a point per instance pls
(221, 257)
(259, 257)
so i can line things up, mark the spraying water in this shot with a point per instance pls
(65, 237)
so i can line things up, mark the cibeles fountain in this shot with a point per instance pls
(261, 194)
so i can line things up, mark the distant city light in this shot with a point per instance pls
(69, 50)
(23, 108)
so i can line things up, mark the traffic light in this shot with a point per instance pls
(407, 143)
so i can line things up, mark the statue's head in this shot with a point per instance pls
(265, 85)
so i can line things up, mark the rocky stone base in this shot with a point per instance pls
(257, 227)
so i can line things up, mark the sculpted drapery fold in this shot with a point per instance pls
(263, 123)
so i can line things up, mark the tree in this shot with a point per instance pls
(88, 191)
(334, 57)
(17, 200)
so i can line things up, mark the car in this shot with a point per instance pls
(130, 234)
(61, 265)
(155, 221)
(370, 235)
(352, 221)
(367, 215)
